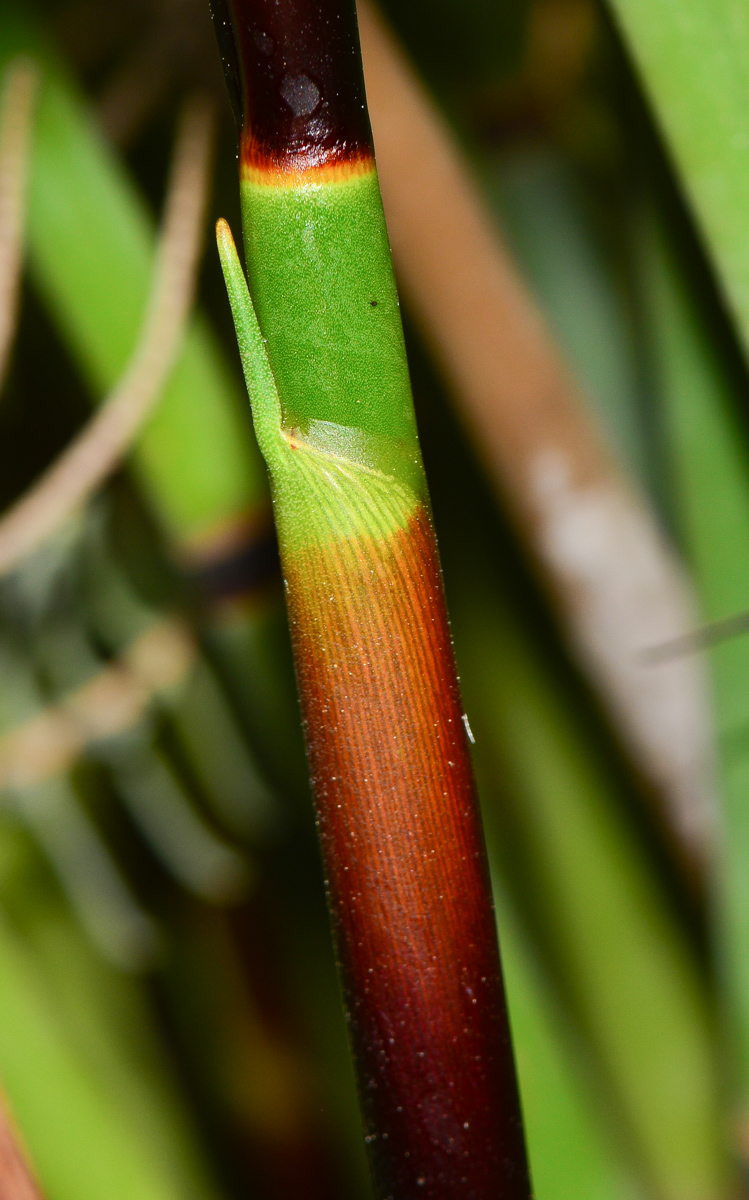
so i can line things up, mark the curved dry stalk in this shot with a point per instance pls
(98, 449)
(619, 588)
(20, 90)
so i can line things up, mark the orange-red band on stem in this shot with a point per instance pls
(315, 165)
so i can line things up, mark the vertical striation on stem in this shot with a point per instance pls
(324, 360)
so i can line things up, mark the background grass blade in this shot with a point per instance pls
(701, 398)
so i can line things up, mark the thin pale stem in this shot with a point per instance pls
(50, 742)
(99, 448)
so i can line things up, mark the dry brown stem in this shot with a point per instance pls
(617, 584)
(100, 446)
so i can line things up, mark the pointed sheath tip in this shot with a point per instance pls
(227, 251)
(224, 235)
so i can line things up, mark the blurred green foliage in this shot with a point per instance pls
(210, 1057)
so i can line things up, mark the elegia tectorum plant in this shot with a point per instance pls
(324, 360)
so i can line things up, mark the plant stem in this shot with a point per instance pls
(404, 856)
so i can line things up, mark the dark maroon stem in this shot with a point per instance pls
(406, 874)
(294, 72)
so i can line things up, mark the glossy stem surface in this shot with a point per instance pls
(399, 827)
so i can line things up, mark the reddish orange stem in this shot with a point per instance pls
(406, 871)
